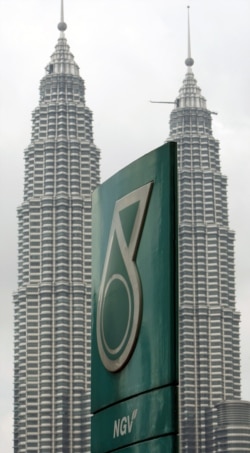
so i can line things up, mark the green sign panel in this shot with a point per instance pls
(147, 416)
(134, 278)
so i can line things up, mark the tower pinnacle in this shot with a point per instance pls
(62, 26)
(189, 60)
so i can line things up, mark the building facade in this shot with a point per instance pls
(53, 299)
(232, 433)
(209, 322)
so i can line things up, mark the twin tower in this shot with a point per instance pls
(53, 299)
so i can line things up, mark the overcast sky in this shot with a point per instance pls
(129, 51)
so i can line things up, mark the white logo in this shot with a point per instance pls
(124, 425)
(120, 296)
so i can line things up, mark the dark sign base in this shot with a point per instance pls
(167, 444)
(147, 416)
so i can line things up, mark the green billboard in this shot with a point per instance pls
(134, 388)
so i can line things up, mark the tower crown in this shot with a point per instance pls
(190, 94)
(62, 60)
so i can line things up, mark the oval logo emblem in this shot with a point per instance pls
(119, 308)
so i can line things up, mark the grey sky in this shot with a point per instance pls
(129, 51)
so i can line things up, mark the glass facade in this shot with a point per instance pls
(53, 300)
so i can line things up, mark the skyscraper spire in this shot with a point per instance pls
(190, 94)
(189, 60)
(62, 26)
(62, 60)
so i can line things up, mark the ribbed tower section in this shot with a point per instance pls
(233, 427)
(53, 300)
(209, 322)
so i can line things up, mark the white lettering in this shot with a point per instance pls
(116, 428)
(123, 428)
(130, 423)
(124, 425)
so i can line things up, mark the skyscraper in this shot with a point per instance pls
(209, 322)
(53, 300)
